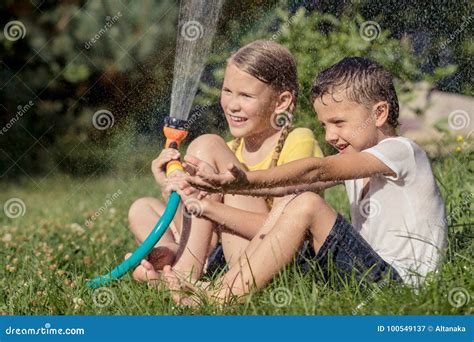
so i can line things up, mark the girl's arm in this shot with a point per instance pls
(308, 171)
(242, 222)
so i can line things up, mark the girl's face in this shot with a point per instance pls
(247, 103)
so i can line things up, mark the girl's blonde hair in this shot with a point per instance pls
(274, 65)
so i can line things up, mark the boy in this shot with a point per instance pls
(398, 228)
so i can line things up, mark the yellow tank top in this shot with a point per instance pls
(300, 143)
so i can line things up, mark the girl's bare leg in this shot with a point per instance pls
(233, 244)
(198, 234)
(142, 216)
(307, 211)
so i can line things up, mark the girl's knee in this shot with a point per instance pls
(139, 206)
(306, 204)
(205, 143)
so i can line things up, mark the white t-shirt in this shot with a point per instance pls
(401, 217)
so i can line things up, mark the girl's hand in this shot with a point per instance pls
(172, 183)
(207, 179)
(158, 166)
(192, 198)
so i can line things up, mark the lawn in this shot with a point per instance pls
(48, 252)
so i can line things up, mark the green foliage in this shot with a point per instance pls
(75, 59)
(82, 56)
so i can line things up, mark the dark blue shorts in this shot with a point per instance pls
(347, 252)
(216, 261)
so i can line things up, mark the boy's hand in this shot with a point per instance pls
(206, 178)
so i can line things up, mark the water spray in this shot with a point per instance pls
(191, 53)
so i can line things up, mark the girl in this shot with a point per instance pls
(258, 98)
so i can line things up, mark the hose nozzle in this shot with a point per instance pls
(175, 131)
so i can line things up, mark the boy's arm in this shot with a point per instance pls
(300, 172)
(285, 190)
(312, 170)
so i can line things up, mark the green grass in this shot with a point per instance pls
(48, 253)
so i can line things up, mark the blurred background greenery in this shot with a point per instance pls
(79, 57)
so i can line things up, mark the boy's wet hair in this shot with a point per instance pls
(363, 80)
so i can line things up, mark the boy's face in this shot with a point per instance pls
(350, 126)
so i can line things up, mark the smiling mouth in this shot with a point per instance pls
(341, 148)
(237, 118)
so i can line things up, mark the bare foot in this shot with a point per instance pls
(145, 271)
(161, 256)
(177, 285)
